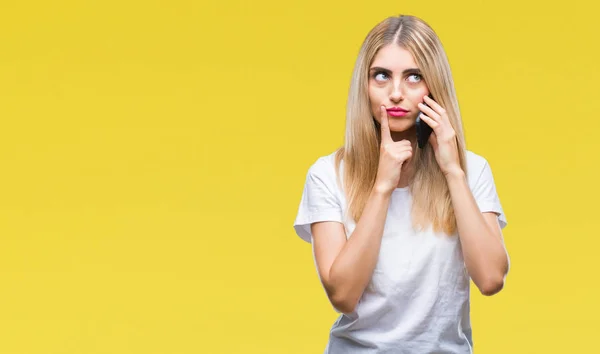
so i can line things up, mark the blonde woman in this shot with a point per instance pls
(399, 230)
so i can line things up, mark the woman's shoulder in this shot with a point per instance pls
(475, 160)
(324, 164)
(324, 169)
(476, 165)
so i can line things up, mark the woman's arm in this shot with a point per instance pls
(346, 266)
(480, 235)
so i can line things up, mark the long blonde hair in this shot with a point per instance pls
(431, 198)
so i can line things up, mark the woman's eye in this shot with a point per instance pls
(380, 76)
(414, 78)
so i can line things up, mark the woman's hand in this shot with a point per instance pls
(392, 155)
(443, 138)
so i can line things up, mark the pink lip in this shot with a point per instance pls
(397, 112)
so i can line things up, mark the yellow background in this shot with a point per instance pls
(153, 155)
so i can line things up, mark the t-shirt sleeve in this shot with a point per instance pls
(486, 195)
(320, 201)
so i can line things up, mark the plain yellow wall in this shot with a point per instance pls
(153, 155)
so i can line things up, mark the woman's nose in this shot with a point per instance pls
(396, 95)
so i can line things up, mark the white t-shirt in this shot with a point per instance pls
(418, 298)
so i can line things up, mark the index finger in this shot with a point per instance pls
(386, 135)
(434, 105)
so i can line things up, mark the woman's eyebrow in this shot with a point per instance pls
(388, 71)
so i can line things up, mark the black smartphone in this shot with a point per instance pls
(423, 130)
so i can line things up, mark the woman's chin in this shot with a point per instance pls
(401, 128)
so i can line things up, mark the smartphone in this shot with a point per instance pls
(423, 130)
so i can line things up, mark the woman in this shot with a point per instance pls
(398, 230)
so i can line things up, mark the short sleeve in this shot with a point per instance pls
(320, 200)
(486, 195)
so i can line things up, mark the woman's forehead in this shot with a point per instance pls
(394, 58)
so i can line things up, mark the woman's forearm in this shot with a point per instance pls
(352, 269)
(483, 250)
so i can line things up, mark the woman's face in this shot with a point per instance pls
(395, 82)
